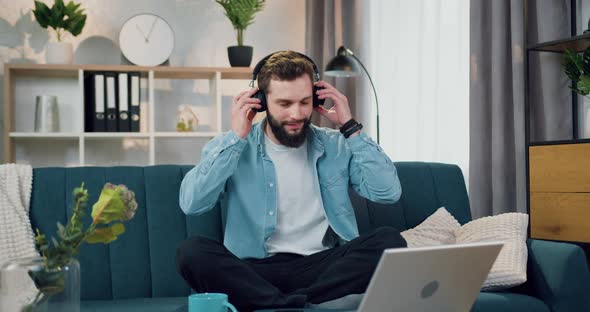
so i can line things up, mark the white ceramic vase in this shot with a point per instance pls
(59, 53)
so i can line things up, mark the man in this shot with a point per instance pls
(291, 237)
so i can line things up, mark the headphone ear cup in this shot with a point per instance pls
(262, 97)
(317, 101)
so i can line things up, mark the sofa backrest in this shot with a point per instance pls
(141, 263)
(425, 188)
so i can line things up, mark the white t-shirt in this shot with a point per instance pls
(301, 220)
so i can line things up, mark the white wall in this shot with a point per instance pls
(202, 34)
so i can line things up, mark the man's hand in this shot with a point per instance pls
(340, 112)
(242, 113)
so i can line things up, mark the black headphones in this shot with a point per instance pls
(262, 97)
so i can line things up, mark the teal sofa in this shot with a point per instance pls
(138, 271)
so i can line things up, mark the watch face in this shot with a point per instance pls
(146, 40)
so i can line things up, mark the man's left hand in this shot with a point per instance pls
(340, 112)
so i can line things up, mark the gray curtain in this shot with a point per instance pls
(330, 24)
(497, 181)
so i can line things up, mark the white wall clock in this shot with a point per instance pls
(146, 40)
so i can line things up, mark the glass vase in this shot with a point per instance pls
(28, 285)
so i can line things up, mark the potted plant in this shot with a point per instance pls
(241, 14)
(577, 68)
(55, 275)
(62, 18)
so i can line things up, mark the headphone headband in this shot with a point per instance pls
(261, 63)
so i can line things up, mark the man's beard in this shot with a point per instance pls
(290, 140)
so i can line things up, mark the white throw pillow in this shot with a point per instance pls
(438, 229)
(509, 269)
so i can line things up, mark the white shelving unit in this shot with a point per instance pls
(20, 79)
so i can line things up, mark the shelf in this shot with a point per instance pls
(559, 142)
(186, 134)
(107, 135)
(577, 43)
(160, 72)
(154, 145)
(44, 135)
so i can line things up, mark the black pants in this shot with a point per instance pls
(284, 280)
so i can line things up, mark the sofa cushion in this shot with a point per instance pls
(169, 304)
(507, 302)
(510, 267)
(438, 229)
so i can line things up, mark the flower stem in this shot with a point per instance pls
(39, 298)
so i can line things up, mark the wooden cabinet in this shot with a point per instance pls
(560, 191)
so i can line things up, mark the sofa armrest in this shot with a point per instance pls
(558, 274)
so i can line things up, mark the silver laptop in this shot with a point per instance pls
(441, 278)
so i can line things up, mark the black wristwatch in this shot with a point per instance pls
(350, 127)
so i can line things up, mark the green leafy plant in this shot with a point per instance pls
(577, 68)
(61, 17)
(241, 14)
(115, 205)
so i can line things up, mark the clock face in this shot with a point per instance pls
(146, 40)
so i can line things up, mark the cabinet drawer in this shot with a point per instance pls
(560, 216)
(560, 168)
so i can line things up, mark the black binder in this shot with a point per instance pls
(111, 101)
(123, 102)
(134, 98)
(94, 102)
(88, 102)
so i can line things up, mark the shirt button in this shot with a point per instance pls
(270, 213)
(233, 141)
(271, 185)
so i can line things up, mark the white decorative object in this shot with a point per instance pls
(59, 53)
(438, 229)
(146, 40)
(46, 113)
(187, 119)
(511, 228)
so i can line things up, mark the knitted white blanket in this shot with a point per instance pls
(16, 235)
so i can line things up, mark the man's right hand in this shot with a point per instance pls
(242, 113)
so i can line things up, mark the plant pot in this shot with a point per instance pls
(59, 53)
(240, 56)
(27, 285)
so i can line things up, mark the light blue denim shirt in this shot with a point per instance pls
(239, 173)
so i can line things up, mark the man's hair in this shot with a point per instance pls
(284, 65)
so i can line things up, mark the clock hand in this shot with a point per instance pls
(141, 31)
(152, 28)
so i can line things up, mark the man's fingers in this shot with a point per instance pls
(324, 84)
(246, 101)
(237, 97)
(335, 96)
(250, 115)
(322, 110)
(245, 94)
(249, 106)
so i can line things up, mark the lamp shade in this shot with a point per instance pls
(342, 65)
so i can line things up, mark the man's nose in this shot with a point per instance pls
(296, 112)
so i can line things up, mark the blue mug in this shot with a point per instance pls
(209, 302)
